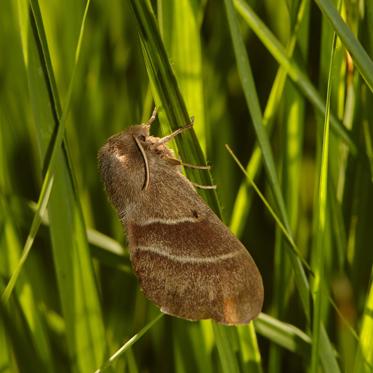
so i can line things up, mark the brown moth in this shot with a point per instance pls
(187, 261)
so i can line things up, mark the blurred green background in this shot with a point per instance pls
(265, 77)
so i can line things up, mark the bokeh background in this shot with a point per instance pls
(300, 122)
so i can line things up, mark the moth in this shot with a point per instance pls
(187, 261)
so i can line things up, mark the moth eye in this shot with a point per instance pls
(141, 137)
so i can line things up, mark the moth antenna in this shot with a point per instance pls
(169, 137)
(147, 171)
(152, 118)
(204, 186)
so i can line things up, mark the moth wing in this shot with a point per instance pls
(196, 269)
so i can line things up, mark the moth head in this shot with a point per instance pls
(121, 165)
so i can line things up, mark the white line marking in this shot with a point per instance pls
(168, 221)
(190, 259)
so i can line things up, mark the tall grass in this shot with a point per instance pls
(286, 84)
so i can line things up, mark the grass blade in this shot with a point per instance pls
(321, 217)
(295, 73)
(358, 53)
(128, 344)
(364, 355)
(48, 179)
(227, 358)
(252, 102)
(247, 82)
(283, 334)
(167, 93)
(183, 45)
(77, 287)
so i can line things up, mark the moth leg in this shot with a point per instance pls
(177, 162)
(198, 167)
(204, 186)
(152, 118)
(169, 137)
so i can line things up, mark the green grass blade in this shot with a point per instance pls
(79, 298)
(167, 94)
(247, 82)
(40, 211)
(24, 293)
(294, 71)
(5, 354)
(321, 216)
(249, 91)
(48, 180)
(292, 244)
(292, 120)
(364, 355)
(23, 350)
(128, 344)
(285, 335)
(227, 357)
(361, 58)
(368, 145)
(249, 350)
(200, 346)
(242, 202)
(103, 242)
(183, 45)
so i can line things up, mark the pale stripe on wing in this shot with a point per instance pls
(168, 221)
(190, 259)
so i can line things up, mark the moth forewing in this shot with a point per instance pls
(187, 261)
